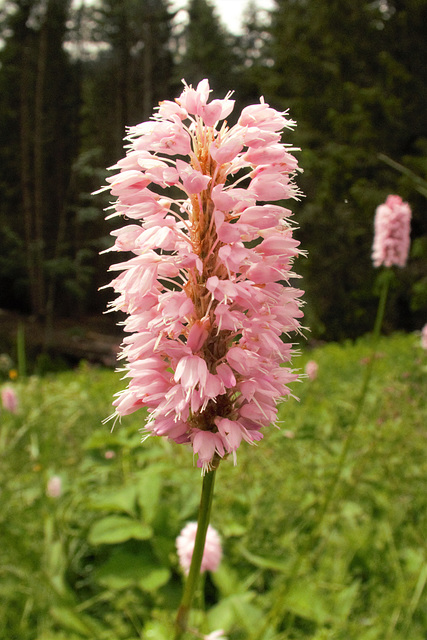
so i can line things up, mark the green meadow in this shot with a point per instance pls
(323, 523)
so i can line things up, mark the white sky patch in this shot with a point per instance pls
(230, 11)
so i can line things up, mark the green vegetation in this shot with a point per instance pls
(98, 562)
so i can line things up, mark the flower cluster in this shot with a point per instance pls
(392, 233)
(212, 552)
(424, 337)
(207, 290)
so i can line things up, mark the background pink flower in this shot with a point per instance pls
(311, 369)
(392, 233)
(185, 545)
(424, 337)
(9, 399)
(54, 487)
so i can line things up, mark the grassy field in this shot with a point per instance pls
(323, 523)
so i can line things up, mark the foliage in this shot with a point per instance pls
(99, 560)
(73, 76)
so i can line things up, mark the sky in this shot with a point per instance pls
(230, 11)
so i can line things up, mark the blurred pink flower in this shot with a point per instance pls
(54, 487)
(9, 399)
(185, 545)
(311, 369)
(424, 337)
(109, 455)
(392, 233)
(207, 291)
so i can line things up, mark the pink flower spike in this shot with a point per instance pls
(392, 233)
(207, 287)
(424, 337)
(212, 553)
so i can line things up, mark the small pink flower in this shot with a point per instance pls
(311, 369)
(9, 399)
(392, 233)
(185, 545)
(207, 290)
(109, 455)
(424, 337)
(54, 487)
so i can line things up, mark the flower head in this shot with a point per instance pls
(185, 545)
(207, 288)
(392, 233)
(9, 399)
(424, 337)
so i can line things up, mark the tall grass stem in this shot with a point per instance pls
(275, 612)
(360, 403)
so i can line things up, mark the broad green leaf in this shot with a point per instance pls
(154, 578)
(113, 529)
(120, 500)
(124, 569)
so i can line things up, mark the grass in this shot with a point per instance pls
(99, 561)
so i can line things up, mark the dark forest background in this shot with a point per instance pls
(353, 74)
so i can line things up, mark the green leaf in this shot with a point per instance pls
(77, 622)
(305, 600)
(124, 569)
(240, 608)
(149, 488)
(113, 529)
(344, 600)
(154, 578)
(264, 562)
(120, 500)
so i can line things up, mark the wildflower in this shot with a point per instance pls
(207, 290)
(392, 233)
(185, 545)
(311, 369)
(424, 337)
(54, 487)
(9, 399)
(109, 455)
(13, 374)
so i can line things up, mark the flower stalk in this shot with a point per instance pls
(183, 614)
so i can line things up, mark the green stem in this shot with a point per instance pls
(181, 622)
(361, 401)
(275, 612)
